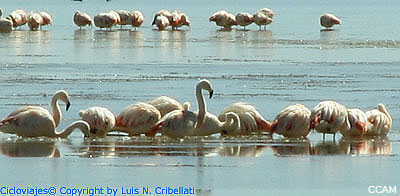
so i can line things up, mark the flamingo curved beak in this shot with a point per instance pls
(68, 104)
(211, 94)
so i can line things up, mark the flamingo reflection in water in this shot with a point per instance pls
(29, 147)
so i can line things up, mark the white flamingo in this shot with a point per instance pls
(328, 20)
(137, 118)
(329, 117)
(358, 123)
(264, 17)
(136, 18)
(179, 19)
(180, 123)
(34, 21)
(244, 19)
(166, 104)
(250, 119)
(105, 20)
(379, 121)
(82, 19)
(100, 120)
(292, 121)
(161, 22)
(35, 121)
(124, 16)
(224, 19)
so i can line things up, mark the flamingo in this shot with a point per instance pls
(161, 22)
(165, 13)
(6, 24)
(379, 121)
(329, 117)
(328, 20)
(100, 120)
(105, 20)
(180, 123)
(292, 121)
(250, 119)
(179, 19)
(124, 15)
(82, 19)
(358, 123)
(165, 104)
(34, 21)
(35, 121)
(244, 19)
(47, 20)
(115, 16)
(136, 18)
(224, 19)
(19, 17)
(137, 118)
(264, 17)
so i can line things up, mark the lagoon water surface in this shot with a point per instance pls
(356, 64)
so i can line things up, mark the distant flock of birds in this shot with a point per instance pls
(162, 19)
(167, 116)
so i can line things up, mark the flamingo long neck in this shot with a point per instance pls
(202, 107)
(81, 125)
(56, 110)
(232, 121)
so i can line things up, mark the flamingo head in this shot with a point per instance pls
(62, 96)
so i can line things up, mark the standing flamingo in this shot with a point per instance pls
(179, 19)
(161, 22)
(34, 21)
(379, 121)
(250, 119)
(35, 121)
(124, 15)
(292, 121)
(137, 118)
(244, 19)
(358, 123)
(224, 19)
(100, 120)
(136, 19)
(165, 13)
(328, 20)
(264, 17)
(47, 20)
(82, 19)
(329, 117)
(180, 123)
(18, 17)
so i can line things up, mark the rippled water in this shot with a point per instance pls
(293, 61)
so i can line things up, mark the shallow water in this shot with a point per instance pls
(356, 64)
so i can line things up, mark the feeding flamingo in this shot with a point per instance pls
(329, 117)
(250, 119)
(6, 24)
(165, 13)
(35, 121)
(47, 20)
(100, 120)
(292, 121)
(34, 21)
(137, 118)
(379, 121)
(136, 18)
(358, 123)
(161, 22)
(179, 19)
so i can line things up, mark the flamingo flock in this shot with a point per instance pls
(162, 19)
(165, 115)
